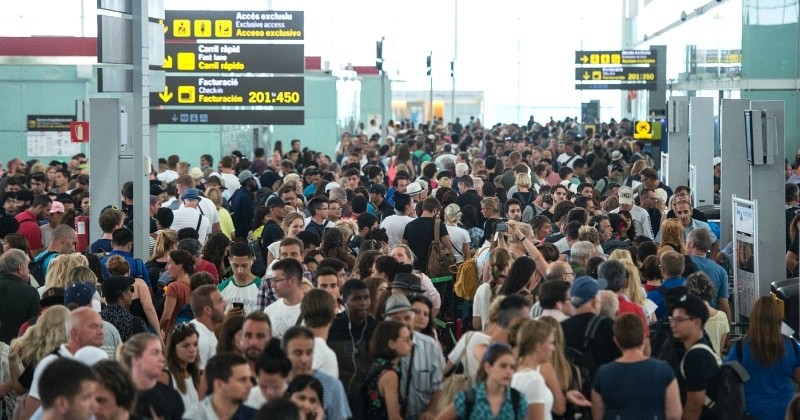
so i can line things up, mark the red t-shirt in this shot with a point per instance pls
(626, 307)
(209, 268)
(29, 228)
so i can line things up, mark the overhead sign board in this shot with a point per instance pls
(230, 91)
(617, 86)
(49, 122)
(227, 116)
(630, 74)
(235, 58)
(618, 57)
(233, 25)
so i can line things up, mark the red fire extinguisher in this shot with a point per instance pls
(82, 229)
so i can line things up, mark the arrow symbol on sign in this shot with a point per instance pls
(166, 95)
(584, 59)
(168, 62)
(166, 28)
(586, 75)
(174, 118)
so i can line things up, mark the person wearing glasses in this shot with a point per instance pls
(649, 201)
(118, 291)
(318, 222)
(698, 367)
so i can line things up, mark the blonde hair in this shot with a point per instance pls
(445, 182)
(166, 240)
(588, 233)
(83, 274)
(500, 259)
(59, 268)
(407, 250)
(215, 196)
(293, 177)
(634, 289)
(638, 166)
(492, 203)
(452, 214)
(609, 304)
(560, 363)
(134, 347)
(41, 339)
(523, 180)
(672, 234)
(347, 227)
(530, 334)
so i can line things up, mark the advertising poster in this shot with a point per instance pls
(745, 251)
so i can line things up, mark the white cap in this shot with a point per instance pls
(717, 160)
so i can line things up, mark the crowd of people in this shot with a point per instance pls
(294, 284)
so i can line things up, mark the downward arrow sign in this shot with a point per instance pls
(174, 118)
(168, 62)
(166, 95)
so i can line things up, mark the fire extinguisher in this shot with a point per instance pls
(82, 229)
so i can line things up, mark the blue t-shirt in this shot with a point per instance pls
(634, 390)
(770, 389)
(717, 274)
(482, 410)
(659, 299)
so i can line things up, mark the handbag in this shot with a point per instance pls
(456, 382)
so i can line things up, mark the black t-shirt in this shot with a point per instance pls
(162, 400)
(701, 369)
(271, 233)
(350, 342)
(602, 346)
(419, 234)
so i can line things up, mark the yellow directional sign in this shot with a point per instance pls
(166, 95)
(167, 62)
(186, 94)
(643, 130)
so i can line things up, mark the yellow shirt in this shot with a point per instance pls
(225, 222)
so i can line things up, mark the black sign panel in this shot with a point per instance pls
(615, 86)
(234, 25)
(604, 74)
(235, 58)
(226, 116)
(230, 91)
(618, 57)
(49, 122)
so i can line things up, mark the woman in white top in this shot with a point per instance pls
(292, 225)
(459, 237)
(183, 366)
(499, 263)
(534, 343)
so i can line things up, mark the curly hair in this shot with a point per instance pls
(59, 268)
(333, 246)
(700, 285)
(41, 339)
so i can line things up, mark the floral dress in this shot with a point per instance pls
(376, 408)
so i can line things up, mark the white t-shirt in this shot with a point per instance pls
(206, 342)
(206, 206)
(43, 364)
(167, 176)
(458, 237)
(187, 217)
(256, 398)
(282, 317)
(469, 340)
(247, 295)
(395, 225)
(324, 358)
(530, 383)
(480, 305)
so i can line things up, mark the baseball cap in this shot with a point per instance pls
(79, 293)
(626, 195)
(407, 281)
(717, 160)
(693, 305)
(332, 185)
(583, 290)
(113, 286)
(378, 189)
(196, 173)
(52, 296)
(245, 175)
(57, 207)
(396, 304)
(617, 167)
(191, 194)
(274, 201)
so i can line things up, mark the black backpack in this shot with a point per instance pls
(662, 343)
(469, 401)
(582, 358)
(357, 397)
(259, 267)
(728, 401)
(36, 266)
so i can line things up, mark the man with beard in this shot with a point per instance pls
(256, 332)
(242, 205)
(208, 307)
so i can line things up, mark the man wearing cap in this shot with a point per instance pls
(118, 291)
(54, 218)
(242, 205)
(19, 301)
(206, 206)
(641, 220)
(407, 284)
(197, 175)
(82, 295)
(423, 368)
(272, 228)
(383, 209)
(586, 303)
(189, 215)
(63, 242)
(699, 363)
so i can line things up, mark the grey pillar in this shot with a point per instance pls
(107, 126)
(701, 149)
(767, 188)
(734, 161)
(677, 169)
